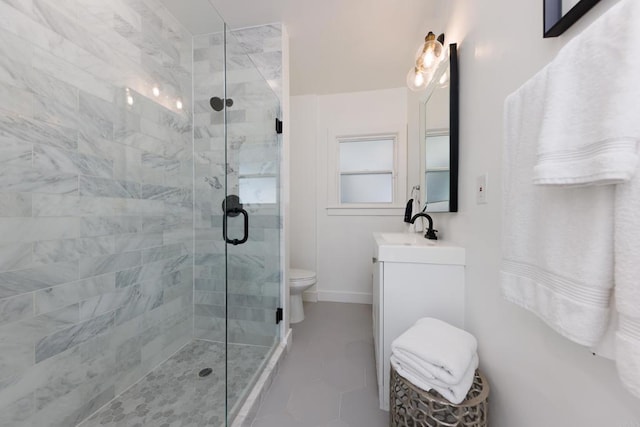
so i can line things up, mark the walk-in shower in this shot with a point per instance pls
(140, 214)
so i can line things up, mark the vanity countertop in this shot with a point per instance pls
(414, 248)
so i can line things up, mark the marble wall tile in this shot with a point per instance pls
(109, 263)
(60, 341)
(16, 308)
(106, 225)
(167, 194)
(17, 341)
(67, 250)
(94, 403)
(27, 130)
(129, 353)
(51, 299)
(139, 303)
(18, 179)
(17, 413)
(32, 279)
(15, 204)
(70, 372)
(49, 158)
(152, 270)
(132, 242)
(163, 252)
(15, 256)
(105, 302)
(64, 69)
(100, 187)
(17, 100)
(178, 285)
(48, 205)
(98, 116)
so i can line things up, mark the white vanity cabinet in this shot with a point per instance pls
(430, 284)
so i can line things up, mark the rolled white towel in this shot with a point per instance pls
(455, 393)
(441, 351)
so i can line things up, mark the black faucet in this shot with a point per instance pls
(431, 233)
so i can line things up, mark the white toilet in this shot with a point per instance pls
(299, 281)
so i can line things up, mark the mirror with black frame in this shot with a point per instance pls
(439, 138)
(559, 15)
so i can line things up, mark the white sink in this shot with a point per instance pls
(414, 248)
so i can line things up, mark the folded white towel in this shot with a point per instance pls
(443, 351)
(455, 393)
(557, 248)
(627, 276)
(590, 129)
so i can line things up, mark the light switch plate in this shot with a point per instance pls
(481, 189)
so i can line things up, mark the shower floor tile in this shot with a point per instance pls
(174, 395)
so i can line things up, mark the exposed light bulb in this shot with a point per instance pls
(428, 59)
(430, 53)
(417, 80)
(179, 104)
(156, 91)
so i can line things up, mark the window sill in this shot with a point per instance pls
(366, 210)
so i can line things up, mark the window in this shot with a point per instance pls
(437, 170)
(257, 173)
(367, 171)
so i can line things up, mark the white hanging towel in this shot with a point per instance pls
(557, 243)
(591, 121)
(627, 277)
(590, 136)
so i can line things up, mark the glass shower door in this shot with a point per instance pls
(251, 222)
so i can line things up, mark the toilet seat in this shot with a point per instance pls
(299, 277)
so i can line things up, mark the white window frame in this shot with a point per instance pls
(397, 132)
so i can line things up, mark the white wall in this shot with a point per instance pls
(338, 248)
(303, 184)
(537, 377)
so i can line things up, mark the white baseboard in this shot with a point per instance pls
(310, 296)
(349, 297)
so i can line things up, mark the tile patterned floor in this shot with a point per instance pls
(328, 378)
(173, 395)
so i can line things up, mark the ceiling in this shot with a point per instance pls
(335, 45)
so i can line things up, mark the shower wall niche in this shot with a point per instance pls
(96, 217)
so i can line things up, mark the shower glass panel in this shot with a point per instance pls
(252, 191)
(237, 209)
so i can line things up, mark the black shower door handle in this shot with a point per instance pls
(235, 212)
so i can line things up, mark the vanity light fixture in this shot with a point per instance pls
(156, 91)
(428, 58)
(179, 104)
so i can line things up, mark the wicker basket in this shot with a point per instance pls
(414, 407)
